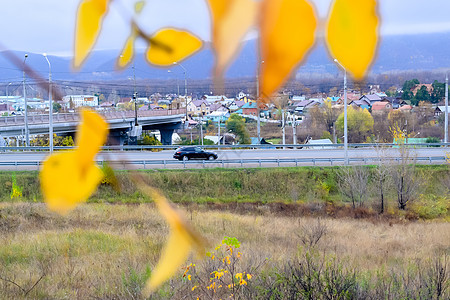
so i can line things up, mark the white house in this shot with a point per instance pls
(81, 100)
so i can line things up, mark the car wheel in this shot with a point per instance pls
(185, 158)
(211, 157)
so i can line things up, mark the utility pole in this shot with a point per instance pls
(258, 109)
(294, 131)
(345, 114)
(135, 98)
(7, 96)
(283, 125)
(446, 110)
(185, 88)
(218, 133)
(50, 103)
(27, 136)
(201, 129)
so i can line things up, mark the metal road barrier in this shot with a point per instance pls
(273, 162)
(265, 146)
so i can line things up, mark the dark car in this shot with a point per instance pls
(187, 153)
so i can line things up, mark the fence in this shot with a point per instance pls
(163, 164)
(265, 146)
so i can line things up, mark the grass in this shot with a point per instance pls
(288, 185)
(293, 224)
(107, 251)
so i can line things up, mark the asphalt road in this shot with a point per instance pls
(241, 154)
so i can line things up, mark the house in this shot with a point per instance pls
(236, 105)
(218, 107)
(302, 106)
(363, 103)
(218, 116)
(405, 108)
(250, 108)
(351, 96)
(395, 101)
(81, 100)
(381, 106)
(202, 107)
(440, 110)
(298, 98)
(191, 108)
(371, 98)
(242, 95)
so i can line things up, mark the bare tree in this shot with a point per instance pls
(404, 176)
(353, 183)
(382, 174)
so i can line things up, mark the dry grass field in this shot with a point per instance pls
(102, 251)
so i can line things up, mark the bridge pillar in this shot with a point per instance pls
(166, 136)
(117, 137)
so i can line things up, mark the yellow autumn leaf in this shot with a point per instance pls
(287, 33)
(69, 178)
(87, 28)
(231, 20)
(139, 6)
(64, 184)
(182, 239)
(352, 34)
(91, 135)
(178, 45)
(127, 53)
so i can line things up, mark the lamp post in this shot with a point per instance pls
(258, 111)
(50, 104)
(446, 110)
(27, 137)
(7, 96)
(178, 85)
(135, 94)
(345, 114)
(185, 86)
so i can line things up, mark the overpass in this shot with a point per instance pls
(120, 123)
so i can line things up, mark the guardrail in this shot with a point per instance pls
(75, 117)
(286, 146)
(245, 162)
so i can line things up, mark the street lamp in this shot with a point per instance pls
(258, 120)
(446, 110)
(185, 86)
(7, 96)
(50, 104)
(135, 96)
(178, 85)
(27, 137)
(345, 114)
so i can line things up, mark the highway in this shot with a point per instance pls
(118, 156)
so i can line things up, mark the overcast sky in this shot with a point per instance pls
(48, 25)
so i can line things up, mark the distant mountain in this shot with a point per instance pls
(396, 53)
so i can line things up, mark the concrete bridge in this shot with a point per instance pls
(120, 124)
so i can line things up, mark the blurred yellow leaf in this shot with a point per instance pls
(91, 135)
(69, 178)
(88, 24)
(127, 53)
(178, 46)
(139, 6)
(231, 21)
(352, 34)
(287, 33)
(181, 240)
